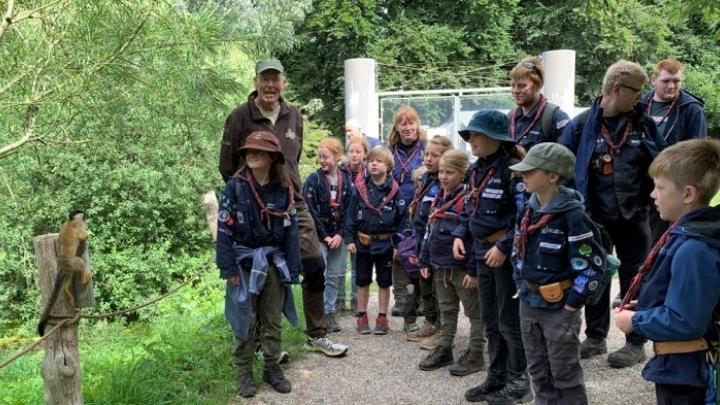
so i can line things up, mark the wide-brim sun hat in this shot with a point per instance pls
(491, 123)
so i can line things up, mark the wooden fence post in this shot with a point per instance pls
(61, 371)
(210, 203)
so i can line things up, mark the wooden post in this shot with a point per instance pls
(61, 371)
(210, 203)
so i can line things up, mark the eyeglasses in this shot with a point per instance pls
(530, 66)
(635, 89)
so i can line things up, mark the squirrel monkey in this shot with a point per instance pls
(71, 248)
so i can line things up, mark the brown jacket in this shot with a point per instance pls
(246, 119)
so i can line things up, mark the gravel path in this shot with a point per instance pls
(383, 370)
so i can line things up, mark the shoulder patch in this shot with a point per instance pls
(520, 187)
(401, 202)
(562, 124)
(575, 238)
(223, 216)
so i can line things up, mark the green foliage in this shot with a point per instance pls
(417, 44)
(313, 134)
(181, 355)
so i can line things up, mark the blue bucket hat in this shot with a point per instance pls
(491, 123)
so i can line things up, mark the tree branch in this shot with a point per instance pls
(28, 135)
(8, 19)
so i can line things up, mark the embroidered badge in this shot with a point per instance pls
(593, 285)
(575, 238)
(561, 124)
(290, 134)
(578, 263)
(598, 260)
(401, 203)
(223, 216)
(520, 187)
(585, 250)
(553, 246)
(240, 218)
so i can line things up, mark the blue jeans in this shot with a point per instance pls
(353, 286)
(334, 269)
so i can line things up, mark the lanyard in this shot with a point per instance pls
(538, 114)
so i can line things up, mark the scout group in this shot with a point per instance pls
(526, 237)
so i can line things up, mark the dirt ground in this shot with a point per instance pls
(384, 370)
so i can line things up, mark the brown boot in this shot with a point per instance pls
(430, 342)
(427, 329)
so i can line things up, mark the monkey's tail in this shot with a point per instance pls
(51, 301)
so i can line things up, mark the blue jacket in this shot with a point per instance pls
(437, 246)
(568, 247)
(497, 204)
(316, 191)
(536, 135)
(677, 299)
(686, 121)
(404, 178)
(362, 219)
(631, 182)
(422, 210)
(240, 223)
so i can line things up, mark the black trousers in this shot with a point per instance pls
(668, 394)
(631, 239)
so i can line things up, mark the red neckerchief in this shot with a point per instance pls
(538, 114)
(420, 194)
(409, 157)
(529, 229)
(476, 191)
(615, 148)
(442, 211)
(265, 212)
(362, 191)
(646, 267)
(353, 172)
(667, 112)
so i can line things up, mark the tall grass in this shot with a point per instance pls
(182, 354)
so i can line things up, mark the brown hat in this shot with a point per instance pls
(263, 140)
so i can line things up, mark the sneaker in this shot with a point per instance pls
(410, 327)
(363, 326)
(245, 384)
(627, 356)
(331, 324)
(430, 342)
(510, 394)
(326, 346)
(397, 309)
(274, 376)
(592, 347)
(468, 363)
(283, 358)
(440, 357)
(427, 329)
(480, 393)
(381, 326)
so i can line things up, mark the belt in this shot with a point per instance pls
(564, 284)
(379, 236)
(680, 347)
(492, 238)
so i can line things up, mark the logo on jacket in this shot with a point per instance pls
(290, 134)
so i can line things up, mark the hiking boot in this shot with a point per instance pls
(283, 358)
(510, 394)
(381, 325)
(397, 309)
(274, 376)
(326, 346)
(245, 384)
(592, 347)
(627, 356)
(362, 325)
(427, 329)
(468, 363)
(430, 342)
(410, 327)
(440, 357)
(331, 324)
(480, 393)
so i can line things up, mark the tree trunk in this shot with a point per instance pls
(61, 371)
(210, 203)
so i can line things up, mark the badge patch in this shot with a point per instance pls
(598, 260)
(520, 187)
(578, 263)
(240, 218)
(575, 238)
(553, 246)
(593, 285)
(290, 134)
(561, 124)
(223, 216)
(401, 203)
(585, 250)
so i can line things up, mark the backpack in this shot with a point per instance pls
(545, 119)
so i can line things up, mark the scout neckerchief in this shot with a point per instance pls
(616, 148)
(538, 114)
(335, 203)
(645, 268)
(477, 190)
(456, 201)
(420, 194)
(267, 213)
(409, 157)
(667, 112)
(529, 229)
(361, 188)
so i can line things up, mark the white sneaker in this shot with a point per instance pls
(326, 346)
